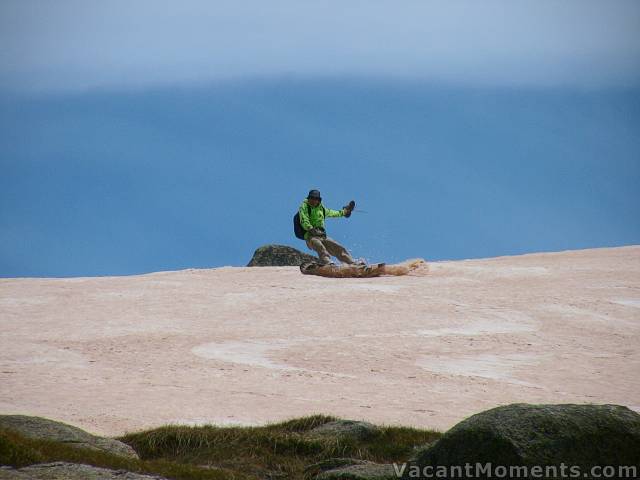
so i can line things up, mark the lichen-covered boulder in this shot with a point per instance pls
(360, 471)
(45, 429)
(538, 435)
(315, 469)
(279, 256)
(69, 471)
(352, 429)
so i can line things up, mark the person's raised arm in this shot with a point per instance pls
(344, 212)
(333, 213)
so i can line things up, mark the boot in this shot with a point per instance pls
(325, 260)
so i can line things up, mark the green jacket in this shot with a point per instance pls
(316, 219)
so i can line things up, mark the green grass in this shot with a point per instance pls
(19, 451)
(279, 450)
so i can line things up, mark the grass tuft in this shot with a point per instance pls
(277, 450)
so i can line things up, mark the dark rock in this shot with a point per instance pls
(45, 429)
(279, 256)
(69, 471)
(538, 435)
(352, 429)
(330, 464)
(360, 471)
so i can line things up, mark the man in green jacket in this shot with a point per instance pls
(312, 215)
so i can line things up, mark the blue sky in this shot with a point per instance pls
(162, 135)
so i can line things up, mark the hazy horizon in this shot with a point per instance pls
(73, 45)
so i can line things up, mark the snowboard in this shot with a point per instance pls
(343, 271)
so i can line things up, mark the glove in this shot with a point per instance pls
(317, 232)
(349, 208)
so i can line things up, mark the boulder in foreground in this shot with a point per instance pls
(69, 471)
(45, 429)
(353, 429)
(360, 471)
(539, 435)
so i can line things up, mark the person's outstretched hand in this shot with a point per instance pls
(347, 209)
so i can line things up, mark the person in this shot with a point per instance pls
(312, 214)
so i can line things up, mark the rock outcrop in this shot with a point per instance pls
(360, 471)
(279, 256)
(353, 429)
(69, 471)
(45, 429)
(539, 435)
(349, 468)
